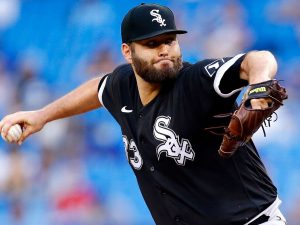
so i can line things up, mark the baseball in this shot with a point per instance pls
(14, 133)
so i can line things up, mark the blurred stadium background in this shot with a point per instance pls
(75, 171)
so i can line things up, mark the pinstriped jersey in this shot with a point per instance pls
(180, 174)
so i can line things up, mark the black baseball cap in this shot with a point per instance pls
(146, 21)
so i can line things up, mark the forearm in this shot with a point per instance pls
(258, 66)
(80, 100)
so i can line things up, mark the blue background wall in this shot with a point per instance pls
(75, 170)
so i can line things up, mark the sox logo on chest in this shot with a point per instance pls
(171, 145)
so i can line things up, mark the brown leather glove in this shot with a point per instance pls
(245, 121)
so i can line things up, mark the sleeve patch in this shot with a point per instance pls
(213, 67)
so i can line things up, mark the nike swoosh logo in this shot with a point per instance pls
(124, 110)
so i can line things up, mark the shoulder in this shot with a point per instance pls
(123, 69)
(120, 74)
(210, 66)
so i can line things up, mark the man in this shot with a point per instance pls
(163, 107)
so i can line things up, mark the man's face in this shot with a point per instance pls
(157, 59)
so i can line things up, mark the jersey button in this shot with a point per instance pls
(177, 219)
(141, 115)
(163, 193)
(152, 169)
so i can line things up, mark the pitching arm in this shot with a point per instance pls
(81, 100)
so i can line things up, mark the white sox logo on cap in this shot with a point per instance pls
(147, 21)
(158, 18)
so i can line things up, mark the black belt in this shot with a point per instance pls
(260, 220)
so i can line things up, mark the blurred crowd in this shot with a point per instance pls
(75, 172)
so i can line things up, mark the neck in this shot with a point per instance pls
(147, 91)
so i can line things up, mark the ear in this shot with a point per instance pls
(126, 51)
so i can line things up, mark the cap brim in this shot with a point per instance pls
(157, 33)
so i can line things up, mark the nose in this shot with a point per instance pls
(163, 50)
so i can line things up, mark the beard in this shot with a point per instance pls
(153, 75)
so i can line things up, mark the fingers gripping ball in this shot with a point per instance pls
(14, 134)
